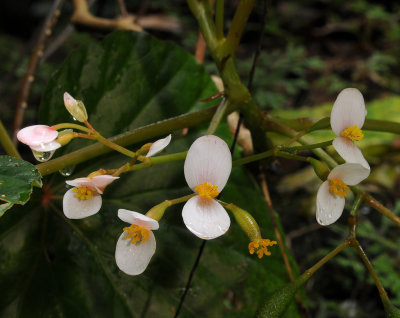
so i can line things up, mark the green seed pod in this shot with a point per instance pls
(276, 304)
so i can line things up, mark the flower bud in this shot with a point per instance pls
(65, 136)
(157, 212)
(75, 107)
(320, 168)
(245, 221)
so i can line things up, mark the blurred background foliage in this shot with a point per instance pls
(311, 49)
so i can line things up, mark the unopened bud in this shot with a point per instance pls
(157, 212)
(320, 168)
(75, 107)
(246, 221)
(65, 136)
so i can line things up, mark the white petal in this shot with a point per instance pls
(132, 217)
(159, 145)
(75, 208)
(50, 146)
(329, 206)
(100, 182)
(348, 110)
(350, 173)
(348, 150)
(208, 160)
(133, 259)
(36, 135)
(205, 218)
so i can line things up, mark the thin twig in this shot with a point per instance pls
(259, 46)
(264, 187)
(122, 8)
(22, 102)
(189, 282)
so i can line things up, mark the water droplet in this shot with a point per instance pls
(67, 171)
(330, 215)
(43, 156)
(74, 118)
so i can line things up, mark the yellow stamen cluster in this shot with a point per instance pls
(83, 193)
(338, 187)
(207, 190)
(260, 246)
(353, 133)
(137, 233)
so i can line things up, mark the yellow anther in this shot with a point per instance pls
(353, 133)
(207, 190)
(260, 246)
(338, 187)
(137, 233)
(83, 193)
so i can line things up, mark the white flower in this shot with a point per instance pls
(39, 138)
(85, 199)
(137, 243)
(159, 145)
(332, 193)
(347, 118)
(207, 168)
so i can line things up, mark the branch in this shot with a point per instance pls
(22, 101)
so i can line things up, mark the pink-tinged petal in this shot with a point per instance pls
(80, 182)
(36, 135)
(133, 259)
(69, 101)
(348, 110)
(208, 160)
(350, 173)
(348, 150)
(100, 182)
(132, 217)
(50, 146)
(205, 218)
(75, 208)
(159, 145)
(329, 206)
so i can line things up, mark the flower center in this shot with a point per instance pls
(260, 246)
(353, 133)
(137, 233)
(83, 193)
(207, 190)
(338, 187)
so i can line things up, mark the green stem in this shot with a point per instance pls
(128, 138)
(372, 202)
(71, 126)
(7, 143)
(181, 199)
(382, 292)
(237, 27)
(219, 19)
(307, 147)
(309, 272)
(219, 114)
(115, 146)
(158, 160)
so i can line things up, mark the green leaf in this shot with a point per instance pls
(16, 179)
(52, 266)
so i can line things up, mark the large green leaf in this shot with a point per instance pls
(16, 180)
(52, 266)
